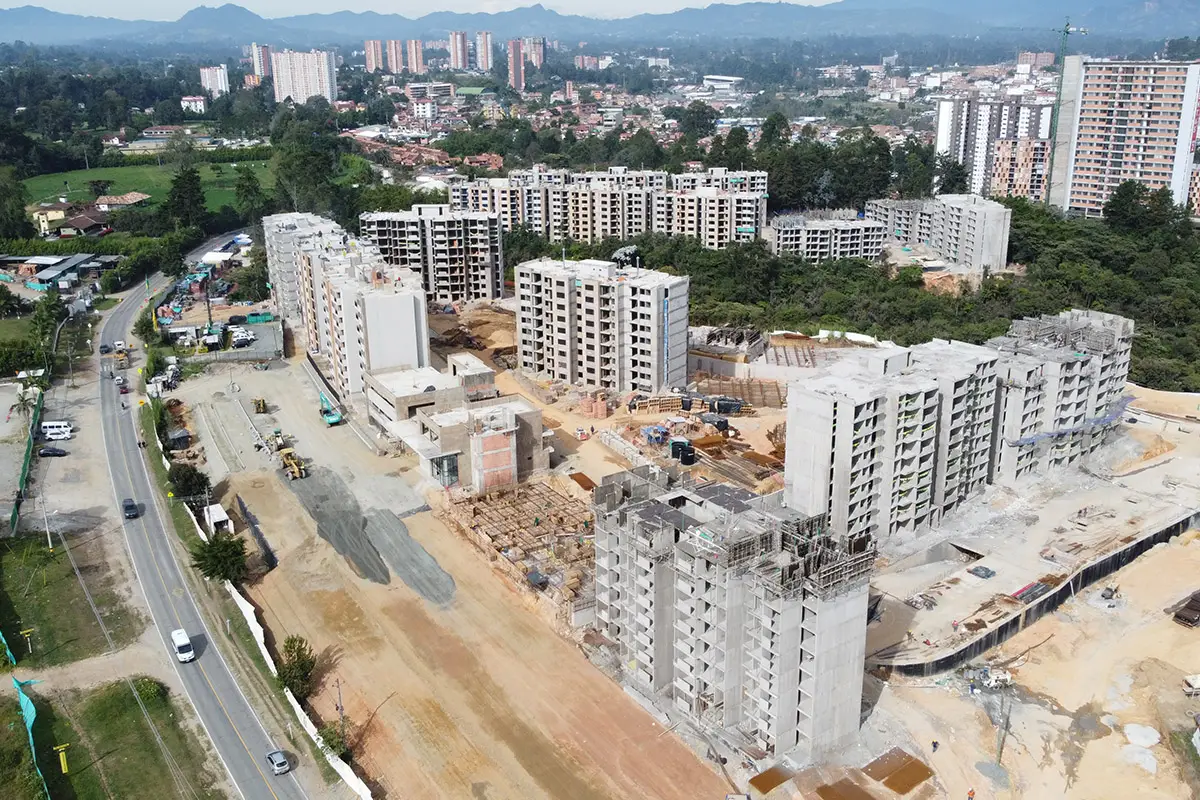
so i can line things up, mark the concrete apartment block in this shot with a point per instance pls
(969, 127)
(595, 323)
(1062, 392)
(739, 611)
(817, 239)
(460, 255)
(1021, 168)
(283, 234)
(961, 228)
(620, 203)
(352, 308)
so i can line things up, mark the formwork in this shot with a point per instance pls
(540, 540)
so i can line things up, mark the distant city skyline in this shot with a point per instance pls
(174, 9)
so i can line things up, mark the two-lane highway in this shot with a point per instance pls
(236, 732)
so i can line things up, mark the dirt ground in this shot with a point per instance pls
(454, 687)
(1175, 404)
(476, 697)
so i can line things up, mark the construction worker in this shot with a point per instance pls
(970, 794)
(935, 745)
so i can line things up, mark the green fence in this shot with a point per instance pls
(35, 419)
(30, 714)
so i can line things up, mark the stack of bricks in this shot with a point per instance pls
(594, 405)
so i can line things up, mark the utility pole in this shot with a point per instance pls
(1064, 33)
(341, 710)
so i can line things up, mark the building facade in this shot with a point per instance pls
(260, 58)
(1021, 168)
(459, 254)
(1119, 121)
(415, 56)
(619, 203)
(483, 51)
(195, 104)
(961, 228)
(598, 324)
(373, 49)
(817, 239)
(395, 56)
(300, 76)
(534, 49)
(353, 310)
(215, 80)
(516, 65)
(968, 129)
(459, 53)
(745, 615)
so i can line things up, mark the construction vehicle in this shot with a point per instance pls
(260, 405)
(292, 464)
(122, 360)
(276, 440)
(582, 434)
(328, 413)
(1191, 686)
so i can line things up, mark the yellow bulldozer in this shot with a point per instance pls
(260, 405)
(292, 464)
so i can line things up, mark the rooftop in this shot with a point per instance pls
(403, 382)
(601, 270)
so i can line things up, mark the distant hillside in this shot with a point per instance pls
(233, 24)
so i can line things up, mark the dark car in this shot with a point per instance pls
(124, 388)
(129, 508)
(237, 319)
(51, 452)
(105, 349)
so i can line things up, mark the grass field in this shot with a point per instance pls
(15, 327)
(39, 590)
(152, 180)
(16, 766)
(112, 751)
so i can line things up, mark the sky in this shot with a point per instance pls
(174, 9)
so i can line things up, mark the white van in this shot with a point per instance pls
(183, 645)
(57, 431)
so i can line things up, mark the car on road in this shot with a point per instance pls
(183, 646)
(278, 762)
(119, 380)
(119, 345)
(51, 452)
(105, 349)
(129, 508)
(124, 388)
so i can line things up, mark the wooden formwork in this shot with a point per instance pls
(758, 393)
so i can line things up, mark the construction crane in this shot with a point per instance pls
(1065, 32)
(328, 413)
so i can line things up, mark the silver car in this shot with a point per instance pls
(278, 762)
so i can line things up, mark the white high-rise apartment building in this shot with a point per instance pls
(260, 57)
(961, 228)
(304, 75)
(619, 203)
(745, 615)
(215, 80)
(969, 127)
(356, 312)
(483, 51)
(599, 324)
(459, 55)
(1119, 121)
(283, 234)
(460, 254)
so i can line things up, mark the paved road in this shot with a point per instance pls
(226, 715)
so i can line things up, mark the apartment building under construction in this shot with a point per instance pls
(746, 616)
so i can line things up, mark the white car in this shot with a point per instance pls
(119, 380)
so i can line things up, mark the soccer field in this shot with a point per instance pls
(152, 180)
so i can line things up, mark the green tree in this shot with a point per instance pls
(1126, 207)
(334, 736)
(185, 200)
(222, 557)
(10, 304)
(187, 481)
(48, 311)
(144, 327)
(952, 176)
(252, 280)
(248, 196)
(99, 187)
(775, 131)
(180, 150)
(14, 223)
(698, 120)
(297, 666)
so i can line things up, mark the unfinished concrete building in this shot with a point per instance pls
(459, 254)
(743, 614)
(283, 234)
(1062, 391)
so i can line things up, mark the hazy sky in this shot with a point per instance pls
(173, 9)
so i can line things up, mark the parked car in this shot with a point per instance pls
(105, 349)
(237, 319)
(51, 452)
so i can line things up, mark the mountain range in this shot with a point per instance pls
(233, 24)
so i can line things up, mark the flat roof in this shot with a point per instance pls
(405, 382)
(1040, 535)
